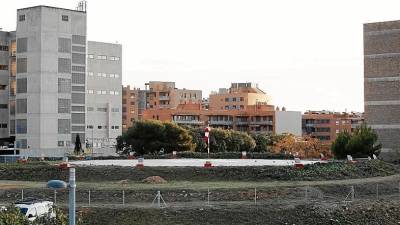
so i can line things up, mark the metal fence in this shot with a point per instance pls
(284, 196)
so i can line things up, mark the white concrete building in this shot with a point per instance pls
(47, 106)
(104, 94)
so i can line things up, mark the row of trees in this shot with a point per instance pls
(152, 136)
(362, 142)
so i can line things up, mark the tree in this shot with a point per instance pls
(339, 146)
(12, 216)
(151, 136)
(230, 141)
(264, 142)
(78, 145)
(197, 138)
(306, 147)
(363, 142)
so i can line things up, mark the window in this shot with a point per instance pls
(64, 18)
(3, 87)
(64, 105)
(115, 110)
(104, 75)
(241, 99)
(90, 91)
(102, 57)
(22, 45)
(64, 45)
(78, 108)
(78, 118)
(78, 39)
(103, 92)
(3, 106)
(60, 143)
(116, 58)
(337, 122)
(91, 56)
(226, 99)
(79, 49)
(64, 65)
(90, 73)
(111, 75)
(78, 88)
(3, 125)
(3, 67)
(64, 126)
(22, 106)
(21, 18)
(99, 127)
(22, 65)
(116, 127)
(78, 98)
(78, 68)
(64, 85)
(116, 75)
(102, 109)
(98, 92)
(4, 48)
(22, 85)
(21, 126)
(337, 131)
(111, 92)
(89, 126)
(90, 108)
(78, 58)
(22, 143)
(78, 78)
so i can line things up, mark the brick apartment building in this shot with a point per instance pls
(133, 105)
(381, 84)
(326, 125)
(243, 107)
(165, 95)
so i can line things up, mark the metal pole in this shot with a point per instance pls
(72, 188)
(55, 197)
(123, 197)
(208, 196)
(352, 193)
(255, 196)
(89, 198)
(22, 194)
(158, 199)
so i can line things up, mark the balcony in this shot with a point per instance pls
(262, 122)
(164, 97)
(221, 122)
(189, 122)
(242, 122)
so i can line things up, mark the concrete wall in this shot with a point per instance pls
(4, 85)
(288, 122)
(381, 84)
(104, 91)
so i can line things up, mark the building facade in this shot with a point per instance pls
(43, 81)
(381, 84)
(104, 94)
(326, 125)
(238, 96)
(165, 95)
(133, 105)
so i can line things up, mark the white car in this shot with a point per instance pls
(34, 209)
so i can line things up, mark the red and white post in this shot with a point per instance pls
(207, 139)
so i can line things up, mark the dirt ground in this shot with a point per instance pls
(316, 195)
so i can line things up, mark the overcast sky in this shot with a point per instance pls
(306, 54)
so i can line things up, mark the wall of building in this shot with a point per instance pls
(288, 122)
(104, 93)
(4, 83)
(45, 36)
(381, 84)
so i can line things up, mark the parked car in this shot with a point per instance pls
(34, 208)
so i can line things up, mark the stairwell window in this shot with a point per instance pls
(64, 18)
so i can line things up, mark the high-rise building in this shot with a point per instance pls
(46, 81)
(104, 91)
(381, 84)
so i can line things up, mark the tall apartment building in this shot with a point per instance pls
(133, 105)
(381, 84)
(166, 95)
(51, 46)
(46, 82)
(326, 125)
(238, 96)
(104, 91)
(7, 83)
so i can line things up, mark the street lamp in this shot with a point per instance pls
(59, 184)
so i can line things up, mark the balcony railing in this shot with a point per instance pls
(190, 122)
(220, 122)
(164, 97)
(242, 122)
(263, 122)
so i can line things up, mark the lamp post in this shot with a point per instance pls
(59, 184)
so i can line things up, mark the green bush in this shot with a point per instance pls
(362, 143)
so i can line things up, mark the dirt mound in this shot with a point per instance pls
(154, 180)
